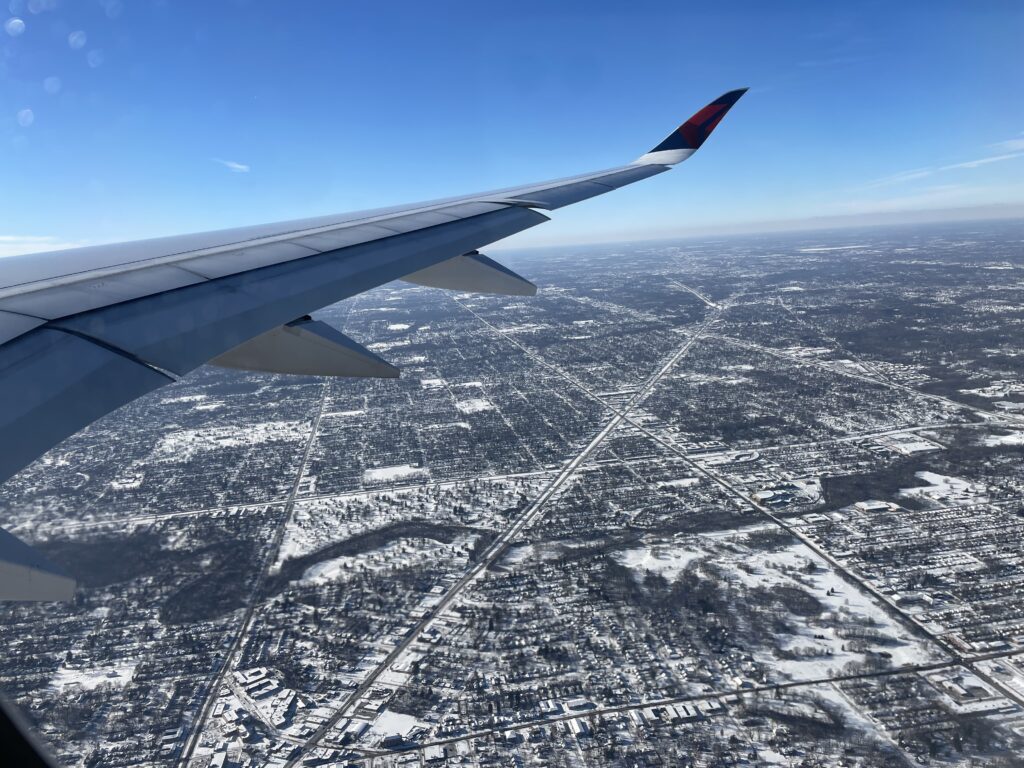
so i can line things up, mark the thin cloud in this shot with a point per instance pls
(232, 166)
(921, 173)
(933, 197)
(936, 196)
(1010, 145)
(834, 61)
(981, 161)
(899, 178)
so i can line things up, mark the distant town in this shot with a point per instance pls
(735, 502)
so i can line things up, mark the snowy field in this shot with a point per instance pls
(1014, 438)
(390, 474)
(474, 405)
(89, 679)
(668, 561)
(814, 648)
(390, 723)
(185, 443)
(946, 489)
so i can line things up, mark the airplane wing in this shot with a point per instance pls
(84, 331)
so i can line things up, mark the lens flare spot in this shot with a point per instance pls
(14, 26)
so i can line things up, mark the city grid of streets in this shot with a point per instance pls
(775, 309)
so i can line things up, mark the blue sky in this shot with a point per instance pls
(121, 120)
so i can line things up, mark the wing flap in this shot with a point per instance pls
(473, 273)
(309, 348)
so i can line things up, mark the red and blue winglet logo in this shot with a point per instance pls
(695, 131)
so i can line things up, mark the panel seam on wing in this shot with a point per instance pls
(114, 350)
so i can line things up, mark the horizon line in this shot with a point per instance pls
(959, 214)
(963, 214)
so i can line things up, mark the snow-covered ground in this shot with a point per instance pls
(997, 389)
(404, 552)
(667, 560)
(116, 674)
(390, 723)
(396, 472)
(682, 482)
(184, 399)
(530, 554)
(447, 425)
(474, 405)
(187, 442)
(318, 522)
(384, 346)
(347, 414)
(908, 443)
(819, 650)
(707, 378)
(824, 248)
(840, 598)
(1014, 438)
(946, 489)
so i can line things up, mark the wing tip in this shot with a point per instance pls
(691, 135)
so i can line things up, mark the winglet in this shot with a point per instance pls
(687, 138)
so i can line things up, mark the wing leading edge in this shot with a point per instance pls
(85, 331)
